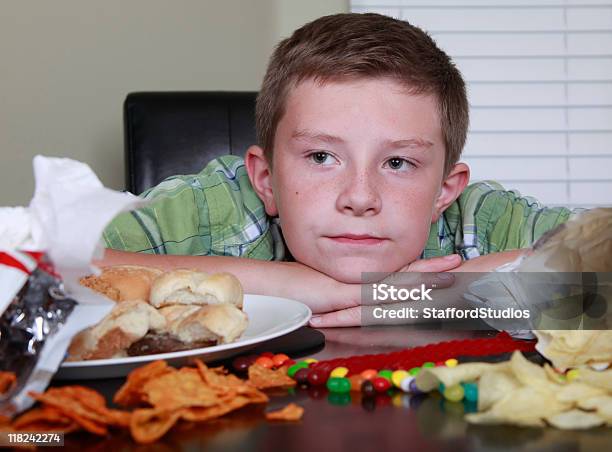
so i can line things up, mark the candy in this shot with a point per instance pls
(428, 365)
(356, 382)
(301, 376)
(295, 367)
(453, 393)
(368, 389)
(381, 384)
(279, 359)
(265, 361)
(311, 360)
(385, 373)
(339, 372)
(338, 384)
(471, 391)
(317, 377)
(369, 374)
(405, 383)
(451, 362)
(414, 371)
(242, 363)
(267, 355)
(397, 377)
(339, 398)
(413, 388)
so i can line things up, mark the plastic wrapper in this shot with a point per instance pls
(44, 250)
(565, 280)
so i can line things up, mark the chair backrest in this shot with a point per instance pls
(169, 133)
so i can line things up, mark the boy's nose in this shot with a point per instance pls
(359, 197)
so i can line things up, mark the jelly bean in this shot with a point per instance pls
(289, 362)
(441, 388)
(339, 372)
(405, 383)
(470, 406)
(397, 377)
(368, 388)
(267, 354)
(295, 367)
(452, 362)
(385, 373)
(428, 365)
(317, 377)
(381, 384)
(369, 374)
(454, 393)
(439, 363)
(279, 359)
(471, 391)
(572, 374)
(414, 388)
(311, 360)
(242, 363)
(356, 382)
(265, 361)
(414, 371)
(301, 376)
(338, 384)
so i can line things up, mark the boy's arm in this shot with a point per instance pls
(282, 279)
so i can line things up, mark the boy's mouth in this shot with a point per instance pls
(357, 239)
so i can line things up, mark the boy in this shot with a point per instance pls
(361, 121)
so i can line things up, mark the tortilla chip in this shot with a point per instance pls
(291, 412)
(149, 424)
(263, 378)
(130, 394)
(174, 390)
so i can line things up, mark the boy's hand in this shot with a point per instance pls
(351, 316)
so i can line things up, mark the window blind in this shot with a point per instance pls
(539, 77)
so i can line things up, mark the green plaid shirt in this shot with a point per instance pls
(217, 212)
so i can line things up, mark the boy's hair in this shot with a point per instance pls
(353, 46)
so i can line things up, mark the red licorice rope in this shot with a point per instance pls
(415, 357)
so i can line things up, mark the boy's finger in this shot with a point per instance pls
(344, 317)
(435, 264)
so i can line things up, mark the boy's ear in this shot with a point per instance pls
(260, 175)
(451, 189)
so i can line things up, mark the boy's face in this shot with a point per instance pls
(357, 176)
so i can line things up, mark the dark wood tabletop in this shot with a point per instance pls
(350, 422)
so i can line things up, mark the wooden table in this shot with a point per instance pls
(352, 423)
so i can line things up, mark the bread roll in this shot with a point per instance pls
(128, 322)
(188, 287)
(123, 282)
(222, 323)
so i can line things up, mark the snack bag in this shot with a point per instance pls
(44, 250)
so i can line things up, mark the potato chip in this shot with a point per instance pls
(575, 420)
(602, 379)
(291, 412)
(572, 348)
(174, 390)
(576, 391)
(45, 418)
(149, 424)
(263, 378)
(525, 406)
(602, 404)
(493, 386)
(429, 378)
(553, 375)
(200, 414)
(130, 393)
(7, 379)
(528, 373)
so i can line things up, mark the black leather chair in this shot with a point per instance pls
(168, 133)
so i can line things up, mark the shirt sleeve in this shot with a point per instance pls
(493, 219)
(215, 212)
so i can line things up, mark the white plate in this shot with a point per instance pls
(269, 317)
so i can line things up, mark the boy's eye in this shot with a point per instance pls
(397, 163)
(321, 158)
